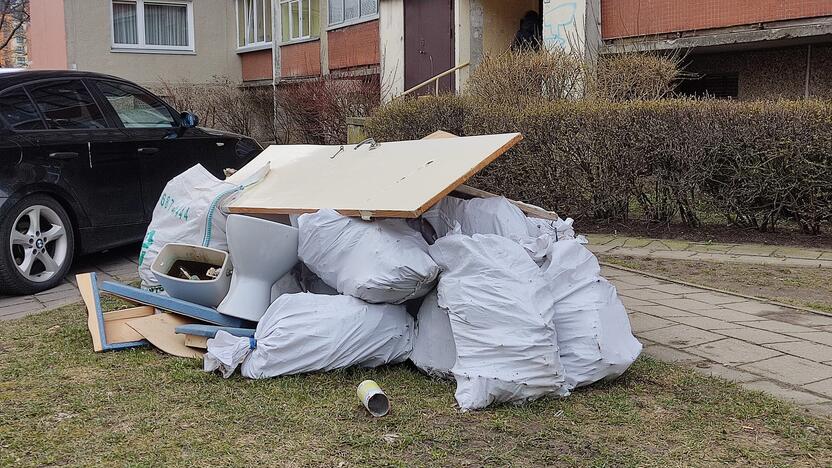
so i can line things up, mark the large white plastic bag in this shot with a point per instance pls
(500, 312)
(495, 215)
(434, 351)
(377, 261)
(302, 333)
(189, 211)
(593, 329)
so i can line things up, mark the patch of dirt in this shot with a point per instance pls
(786, 235)
(807, 287)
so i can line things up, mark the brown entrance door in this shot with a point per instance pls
(428, 43)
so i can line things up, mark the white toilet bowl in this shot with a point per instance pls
(262, 252)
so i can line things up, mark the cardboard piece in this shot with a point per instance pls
(109, 330)
(399, 179)
(177, 306)
(159, 330)
(193, 341)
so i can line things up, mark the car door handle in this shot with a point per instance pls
(63, 155)
(148, 151)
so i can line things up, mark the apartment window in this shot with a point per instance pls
(300, 19)
(351, 11)
(254, 22)
(154, 25)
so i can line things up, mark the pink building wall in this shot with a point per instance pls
(47, 35)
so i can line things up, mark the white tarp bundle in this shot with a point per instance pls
(304, 332)
(189, 211)
(434, 351)
(383, 261)
(495, 215)
(500, 313)
(593, 329)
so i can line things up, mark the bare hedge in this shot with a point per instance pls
(756, 164)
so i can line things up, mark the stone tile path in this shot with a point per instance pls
(765, 347)
(119, 264)
(704, 251)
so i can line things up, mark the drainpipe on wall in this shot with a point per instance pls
(275, 61)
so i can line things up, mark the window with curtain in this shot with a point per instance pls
(161, 24)
(351, 11)
(300, 19)
(254, 22)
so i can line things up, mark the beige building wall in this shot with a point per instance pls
(89, 45)
(391, 44)
(501, 20)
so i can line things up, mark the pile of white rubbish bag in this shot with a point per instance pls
(511, 307)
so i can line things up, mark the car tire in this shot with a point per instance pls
(37, 245)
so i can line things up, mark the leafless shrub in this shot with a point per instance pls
(635, 76)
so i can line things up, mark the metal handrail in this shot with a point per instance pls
(435, 80)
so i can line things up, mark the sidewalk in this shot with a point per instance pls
(759, 254)
(119, 264)
(780, 351)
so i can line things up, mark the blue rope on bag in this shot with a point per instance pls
(252, 343)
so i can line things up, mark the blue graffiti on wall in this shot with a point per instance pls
(560, 20)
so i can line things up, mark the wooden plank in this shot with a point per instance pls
(159, 330)
(108, 329)
(193, 341)
(396, 179)
(172, 304)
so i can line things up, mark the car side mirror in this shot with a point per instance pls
(189, 120)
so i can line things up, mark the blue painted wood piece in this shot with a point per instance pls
(88, 286)
(178, 306)
(210, 331)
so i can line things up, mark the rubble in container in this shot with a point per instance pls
(502, 295)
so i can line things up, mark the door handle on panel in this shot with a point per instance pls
(63, 155)
(148, 151)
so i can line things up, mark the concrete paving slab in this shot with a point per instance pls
(668, 354)
(822, 409)
(631, 303)
(807, 350)
(779, 327)
(757, 336)
(710, 248)
(824, 387)
(640, 322)
(707, 323)
(787, 252)
(10, 311)
(755, 307)
(806, 319)
(713, 298)
(641, 280)
(7, 301)
(816, 337)
(636, 242)
(727, 373)
(670, 254)
(646, 294)
(732, 352)
(785, 393)
(684, 304)
(663, 311)
(729, 315)
(753, 249)
(674, 288)
(790, 370)
(680, 336)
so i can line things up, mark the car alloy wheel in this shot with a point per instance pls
(38, 243)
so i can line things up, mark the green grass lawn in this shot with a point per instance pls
(62, 404)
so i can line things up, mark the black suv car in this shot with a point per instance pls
(83, 160)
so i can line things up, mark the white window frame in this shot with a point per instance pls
(349, 22)
(142, 45)
(299, 5)
(254, 44)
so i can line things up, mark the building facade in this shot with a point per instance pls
(743, 49)
(142, 40)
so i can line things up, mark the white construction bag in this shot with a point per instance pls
(377, 261)
(434, 351)
(302, 333)
(189, 211)
(495, 215)
(593, 329)
(500, 313)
